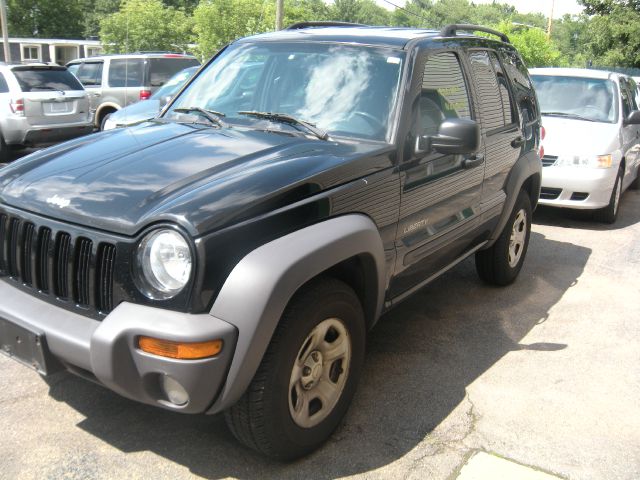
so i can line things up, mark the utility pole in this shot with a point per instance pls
(550, 24)
(279, 13)
(5, 33)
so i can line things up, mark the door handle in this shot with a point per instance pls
(472, 162)
(517, 142)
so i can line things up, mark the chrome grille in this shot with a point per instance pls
(55, 263)
(549, 160)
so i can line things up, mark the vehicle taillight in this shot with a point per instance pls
(543, 133)
(17, 106)
(145, 94)
(541, 151)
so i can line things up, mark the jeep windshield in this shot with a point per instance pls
(577, 98)
(347, 91)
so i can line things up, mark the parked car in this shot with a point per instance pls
(231, 254)
(115, 81)
(39, 105)
(147, 109)
(592, 138)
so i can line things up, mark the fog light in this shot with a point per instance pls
(175, 392)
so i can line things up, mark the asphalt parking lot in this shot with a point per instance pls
(545, 373)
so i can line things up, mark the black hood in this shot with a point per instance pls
(200, 177)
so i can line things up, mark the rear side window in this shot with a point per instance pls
(493, 94)
(507, 109)
(522, 87)
(4, 88)
(444, 92)
(126, 73)
(90, 74)
(162, 69)
(42, 79)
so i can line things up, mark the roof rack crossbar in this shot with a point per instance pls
(451, 30)
(301, 25)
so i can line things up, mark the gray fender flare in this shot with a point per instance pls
(527, 166)
(258, 289)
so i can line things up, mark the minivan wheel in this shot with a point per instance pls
(501, 263)
(4, 150)
(635, 185)
(308, 375)
(104, 121)
(609, 214)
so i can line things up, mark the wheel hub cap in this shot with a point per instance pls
(518, 238)
(319, 373)
(312, 370)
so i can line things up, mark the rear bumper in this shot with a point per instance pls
(566, 187)
(18, 131)
(106, 351)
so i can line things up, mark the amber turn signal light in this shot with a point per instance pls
(180, 350)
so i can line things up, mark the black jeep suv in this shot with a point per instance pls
(231, 254)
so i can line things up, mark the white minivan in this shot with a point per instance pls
(592, 138)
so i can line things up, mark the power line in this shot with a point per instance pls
(405, 10)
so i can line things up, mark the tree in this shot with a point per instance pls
(614, 39)
(532, 43)
(145, 25)
(218, 22)
(571, 35)
(605, 7)
(94, 11)
(360, 11)
(614, 32)
(45, 18)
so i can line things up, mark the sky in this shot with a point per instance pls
(524, 6)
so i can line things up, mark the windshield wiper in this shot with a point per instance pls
(211, 115)
(568, 115)
(288, 119)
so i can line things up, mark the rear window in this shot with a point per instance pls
(43, 79)
(162, 69)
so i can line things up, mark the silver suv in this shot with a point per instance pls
(115, 81)
(40, 105)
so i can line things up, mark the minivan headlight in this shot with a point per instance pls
(588, 161)
(164, 258)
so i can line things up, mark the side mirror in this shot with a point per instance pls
(455, 136)
(633, 118)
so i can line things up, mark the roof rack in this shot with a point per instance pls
(150, 52)
(301, 25)
(451, 30)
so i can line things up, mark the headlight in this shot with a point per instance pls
(164, 258)
(588, 161)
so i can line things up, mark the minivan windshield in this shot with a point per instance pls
(590, 99)
(344, 90)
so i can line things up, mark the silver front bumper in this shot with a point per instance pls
(107, 350)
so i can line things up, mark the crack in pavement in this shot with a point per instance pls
(439, 442)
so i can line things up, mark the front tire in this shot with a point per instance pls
(501, 263)
(308, 375)
(609, 214)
